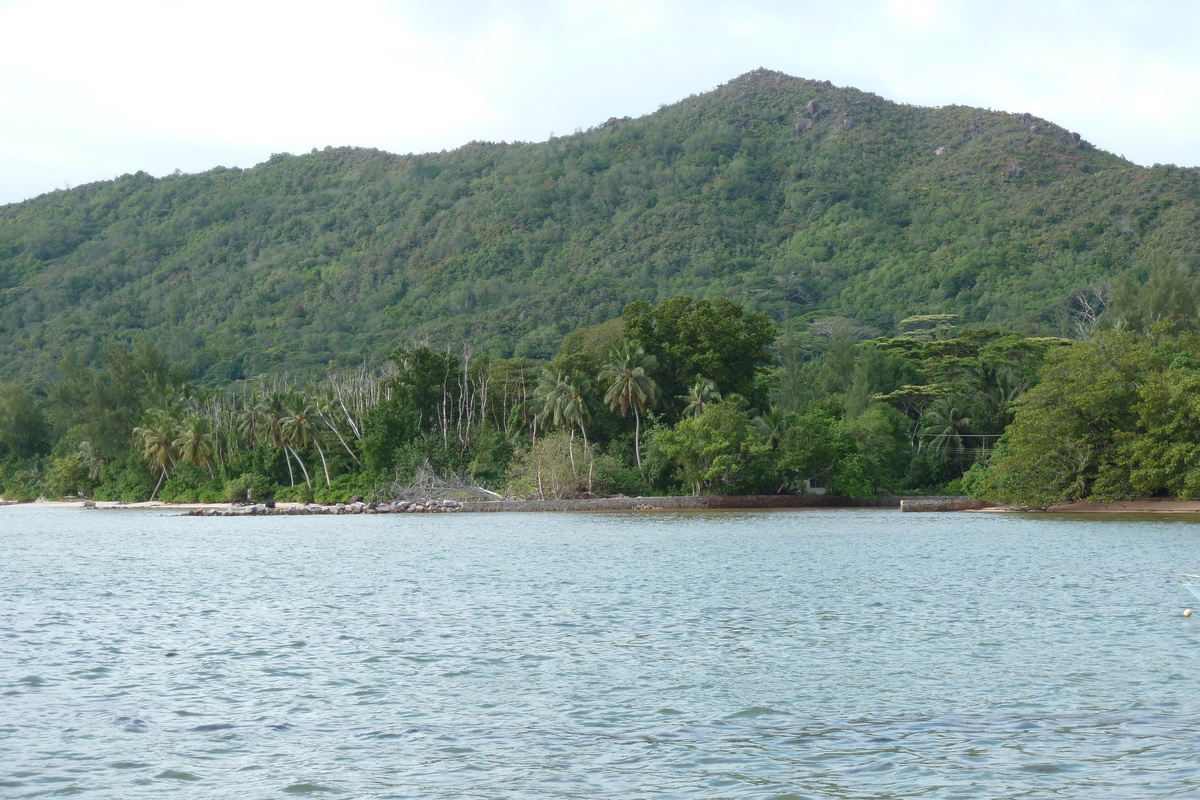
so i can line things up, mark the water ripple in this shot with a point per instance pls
(775, 655)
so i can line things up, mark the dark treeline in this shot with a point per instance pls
(684, 396)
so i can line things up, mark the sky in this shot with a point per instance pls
(93, 90)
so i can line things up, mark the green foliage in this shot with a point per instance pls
(1163, 454)
(69, 476)
(191, 483)
(342, 489)
(719, 452)
(129, 482)
(388, 427)
(249, 487)
(1064, 439)
(552, 467)
(105, 403)
(300, 493)
(22, 479)
(23, 428)
(717, 339)
(322, 258)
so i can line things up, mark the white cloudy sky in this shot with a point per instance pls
(90, 90)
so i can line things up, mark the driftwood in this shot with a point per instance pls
(428, 485)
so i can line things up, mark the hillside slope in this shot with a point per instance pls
(877, 211)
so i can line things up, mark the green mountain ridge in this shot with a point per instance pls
(876, 212)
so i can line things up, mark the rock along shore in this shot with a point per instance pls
(428, 506)
(709, 503)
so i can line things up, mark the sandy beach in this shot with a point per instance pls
(154, 505)
(1144, 506)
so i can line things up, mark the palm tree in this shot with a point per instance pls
(195, 442)
(300, 430)
(250, 419)
(701, 393)
(158, 435)
(564, 403)
(946, 424)
(575, 410)
(631, 386)
(772, 425)
(271, 411)
(95, 464)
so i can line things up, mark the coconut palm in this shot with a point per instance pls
(701, 393)
(575, 410)
(271, 412)
(250, 419)
(772, 424)
(563, 400)
(158, 434)
(195, 442)
(301, 428)
(631, 386)
(945, 423)
(95, 464)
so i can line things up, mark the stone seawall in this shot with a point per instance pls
(709, 503)
(941, 504)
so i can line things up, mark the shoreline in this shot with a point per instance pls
(678, 503)
(688, 503)
(685, 503)
(1143, 506)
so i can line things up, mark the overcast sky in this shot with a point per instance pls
(91, 90)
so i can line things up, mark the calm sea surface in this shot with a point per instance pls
(797, 654)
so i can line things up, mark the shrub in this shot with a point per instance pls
(187, 483)
(249, 487)
(68, 476)
(344, 487)
(300, 493)
(131, 483)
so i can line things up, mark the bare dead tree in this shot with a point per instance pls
(1087, 306)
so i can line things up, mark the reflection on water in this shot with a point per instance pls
(839, 654)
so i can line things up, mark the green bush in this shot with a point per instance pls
(68, 476)
(344, 487)
(187, 484)
(249, 487)
(21, 479)
(614, 476)
(129, 483)
(300, 493)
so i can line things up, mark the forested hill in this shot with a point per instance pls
(876, 211)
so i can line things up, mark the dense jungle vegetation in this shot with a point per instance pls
(776, 284)
(683, 396)
(877, 212)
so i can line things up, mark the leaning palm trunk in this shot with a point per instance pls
(300, 461)
(288, 459)
(324, 466)
(637, 438)
(338, 434)
(162, 476)
(586, 452)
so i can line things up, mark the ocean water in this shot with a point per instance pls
(785, 654)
